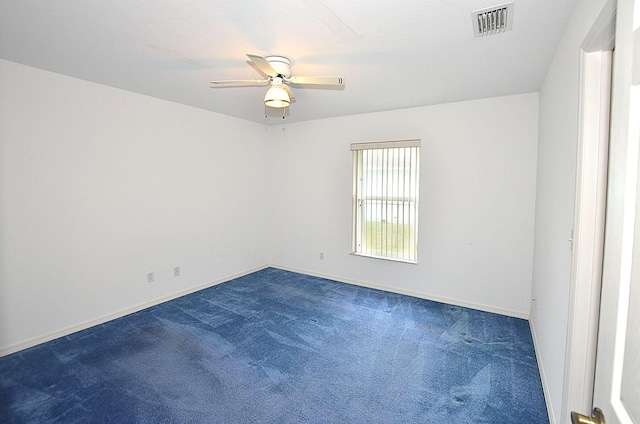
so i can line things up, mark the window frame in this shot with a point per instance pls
(404, 194)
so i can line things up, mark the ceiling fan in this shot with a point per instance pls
(277, 70)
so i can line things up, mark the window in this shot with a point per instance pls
(385, 199)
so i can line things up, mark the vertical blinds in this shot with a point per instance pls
(385, 201)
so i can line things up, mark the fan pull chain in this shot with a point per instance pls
(284, 112)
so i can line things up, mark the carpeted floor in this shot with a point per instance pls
(281, 347)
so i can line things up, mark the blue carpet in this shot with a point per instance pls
(281, 347)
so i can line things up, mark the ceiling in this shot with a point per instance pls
(393, 54)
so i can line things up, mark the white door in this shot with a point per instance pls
(617, 380)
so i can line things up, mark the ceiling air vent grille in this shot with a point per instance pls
(493, 20)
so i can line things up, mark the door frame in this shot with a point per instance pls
(621, 269)
(590, 210)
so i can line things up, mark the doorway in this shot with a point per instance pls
(590, 210)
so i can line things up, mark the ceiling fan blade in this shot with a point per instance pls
(263, 65)
(328, 81)
(289, 91)
(239, 83)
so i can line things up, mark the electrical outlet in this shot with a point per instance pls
(176, 271)
(149, 277)
(533, 303)
(321, 256)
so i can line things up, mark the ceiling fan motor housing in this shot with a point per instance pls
(280, 64)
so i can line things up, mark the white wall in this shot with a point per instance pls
(99, 186)
(477, 194)
(557, 150)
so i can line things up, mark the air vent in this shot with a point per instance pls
(493, 20)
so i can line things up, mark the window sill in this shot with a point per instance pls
(385, 258)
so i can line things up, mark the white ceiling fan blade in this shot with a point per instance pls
(239, 83)
(263, 65)
(327, 81)
(289, 91)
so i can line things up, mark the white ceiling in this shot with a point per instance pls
(393, 54)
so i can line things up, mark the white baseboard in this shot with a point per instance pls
(543, 377)
(118, 314)
(136, 308)
(440, 299)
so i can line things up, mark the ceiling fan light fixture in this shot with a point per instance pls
(277, 97)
